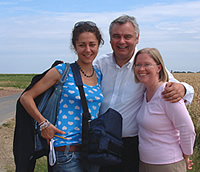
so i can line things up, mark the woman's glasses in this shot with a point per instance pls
(81, 23)
(146, 65)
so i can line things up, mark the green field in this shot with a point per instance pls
(15, 80)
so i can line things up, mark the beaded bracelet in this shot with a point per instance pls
(44, 124)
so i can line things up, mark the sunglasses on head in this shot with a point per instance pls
(81, 23)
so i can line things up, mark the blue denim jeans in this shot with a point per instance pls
(71, 162)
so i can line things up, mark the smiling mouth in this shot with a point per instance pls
(89, 55)
(143, 74)
(122, 47)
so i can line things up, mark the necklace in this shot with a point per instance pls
(89, 76)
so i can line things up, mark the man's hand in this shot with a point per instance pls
(173, 92)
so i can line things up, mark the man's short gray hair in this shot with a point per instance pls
(124, 19)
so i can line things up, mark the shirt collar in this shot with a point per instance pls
(129, 63)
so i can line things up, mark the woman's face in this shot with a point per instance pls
(146, 69)
(87, 47)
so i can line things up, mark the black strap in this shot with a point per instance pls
(85, 116)
(79, 83)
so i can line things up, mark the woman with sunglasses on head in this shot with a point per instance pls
(67, 132)
(166, 131)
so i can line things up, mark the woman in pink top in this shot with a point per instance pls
(166, 131)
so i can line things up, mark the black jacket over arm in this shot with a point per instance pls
(23, 144)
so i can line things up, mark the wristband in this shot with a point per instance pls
(44, 124)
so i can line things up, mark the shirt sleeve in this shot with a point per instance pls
(182, 121)
(188, 88)
(61, 68)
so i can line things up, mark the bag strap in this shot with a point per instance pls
(79, 83)
(85, 116)
(47, 94)
(65, 73)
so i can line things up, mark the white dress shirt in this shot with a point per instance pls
(122, 93)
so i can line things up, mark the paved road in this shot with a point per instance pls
(7, 107)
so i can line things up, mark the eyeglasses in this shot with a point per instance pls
(147, 65)
(81, 23)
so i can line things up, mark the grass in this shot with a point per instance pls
(15, 80)
(23, 80)
(41, 165)
(8, 125)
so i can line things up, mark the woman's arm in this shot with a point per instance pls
(180, 117)
(51, 78)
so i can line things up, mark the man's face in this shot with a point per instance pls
(123, 41)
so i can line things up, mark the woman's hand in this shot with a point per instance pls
(49, 132)
(189, 162)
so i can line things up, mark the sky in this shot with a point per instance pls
(35, 33)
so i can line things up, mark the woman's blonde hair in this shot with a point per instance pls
(156, 56)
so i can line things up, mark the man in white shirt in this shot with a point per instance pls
(123, 94)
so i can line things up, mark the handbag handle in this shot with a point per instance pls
(47, 94)
(65, 73)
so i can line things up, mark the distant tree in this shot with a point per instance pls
(179, 72)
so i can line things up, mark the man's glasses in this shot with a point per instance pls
(81, 23)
